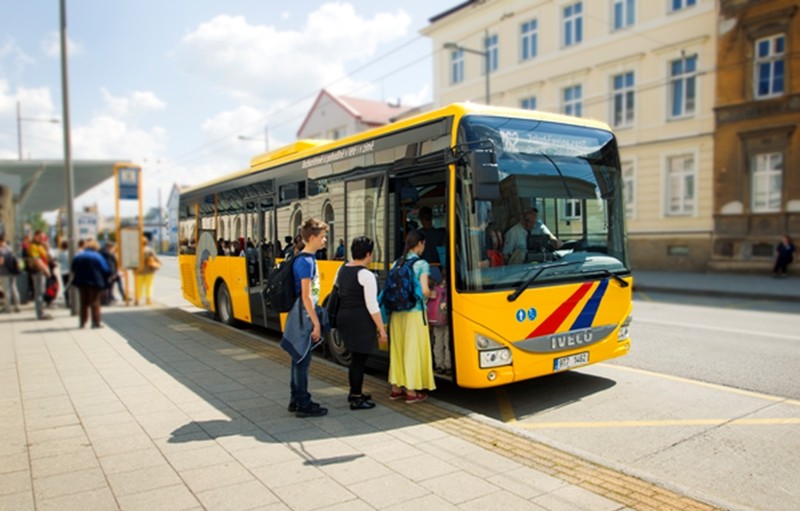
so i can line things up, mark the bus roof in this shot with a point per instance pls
(305, 148)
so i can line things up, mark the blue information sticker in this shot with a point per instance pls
(531, 314)
(521, 315)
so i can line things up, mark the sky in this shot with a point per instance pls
(172, 85)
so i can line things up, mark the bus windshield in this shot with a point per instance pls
(560, 201)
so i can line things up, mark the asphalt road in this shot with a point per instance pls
(707, 402)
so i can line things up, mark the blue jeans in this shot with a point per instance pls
(300, 395)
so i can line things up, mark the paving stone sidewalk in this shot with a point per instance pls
(162, 409)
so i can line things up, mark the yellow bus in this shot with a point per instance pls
(531, 209)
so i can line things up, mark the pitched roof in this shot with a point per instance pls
(368, 111)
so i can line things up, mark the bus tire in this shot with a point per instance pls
(223, 305)
(337, 349)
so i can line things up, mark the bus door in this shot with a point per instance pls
(419, 202)
(260, 257)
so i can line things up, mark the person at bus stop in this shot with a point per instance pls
(90, 275)
(516, 238)
(146, 274)
(64, 263)
(9, 269)
(358, 291)
(339, 255)
(38, 265)
(410, 359)
(434, 240)
(114, 274)
(304, 324)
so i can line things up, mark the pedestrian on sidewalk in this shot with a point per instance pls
(38, 265)
(146, 274)
(90, 275)
(358, 308)
(64, 264)
(784, 255)
(9, 269)
(114, 274)
(410, 359)
(304, 325)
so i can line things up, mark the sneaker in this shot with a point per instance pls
(313, 410)
(361, 403)
(364, 396)
(394, 396)
(418, 398)
(45, 316)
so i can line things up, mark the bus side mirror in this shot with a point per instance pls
(485, 176)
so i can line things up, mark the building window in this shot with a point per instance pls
(572, 209)
(573, 24)
(769, 66)
(629, 189)
(337, 133)
(529, 39)
(571, 100)
(493, 52)
(767, 171)
(457, 66)
(680, 185)
(677, 5)
(623, 100)
(528, 103)
(624, 12)
(683, 86)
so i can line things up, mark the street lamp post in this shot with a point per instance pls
(484, 54)
(27, 119)
(266, 138)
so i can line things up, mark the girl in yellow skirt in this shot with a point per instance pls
(410, 361)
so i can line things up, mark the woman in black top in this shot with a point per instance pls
(784, 255)
(358, 290)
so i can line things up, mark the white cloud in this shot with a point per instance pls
(51, 46)
(12, 56)
(138, 103)
(260, 61)
(418, 98)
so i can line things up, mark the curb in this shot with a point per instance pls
(716, 293)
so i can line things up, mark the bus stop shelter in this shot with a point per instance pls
(38, 186)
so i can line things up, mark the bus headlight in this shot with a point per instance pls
(491, 353)
(495, 358)
(625, 329)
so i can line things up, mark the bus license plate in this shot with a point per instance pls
(571, 361)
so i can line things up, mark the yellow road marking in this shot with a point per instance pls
(504, 404)
(748, 393)
(661, 423)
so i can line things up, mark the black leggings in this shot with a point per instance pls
(781, 264)
(356, 373)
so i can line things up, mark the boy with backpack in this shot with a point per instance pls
(304, 325)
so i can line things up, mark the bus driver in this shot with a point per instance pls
(516, 238)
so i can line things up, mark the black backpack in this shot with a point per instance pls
(398, 291)
(279, 293)
(12, 263)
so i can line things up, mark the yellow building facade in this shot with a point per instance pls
(647, 68)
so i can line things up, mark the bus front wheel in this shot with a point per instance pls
(337, 349)
(224, 305)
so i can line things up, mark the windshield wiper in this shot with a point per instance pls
(539, 269)
(622, 282)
